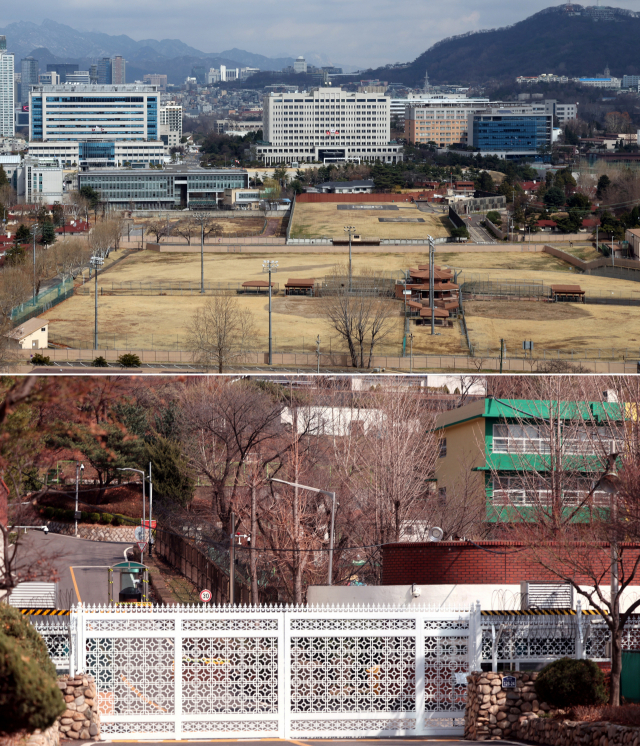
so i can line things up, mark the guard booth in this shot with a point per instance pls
(132, 583)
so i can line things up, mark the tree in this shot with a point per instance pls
(91, 195)
(579, 201)
(48, 234)
(22, 235)
(461, 232)
(495, 217)
(57, 214)
(484, 182)
(604, 182)
(221, 332)
(129, 360)
(363, 321)
(172, 477)
(102, 238)
(188, 228)
(3, 176)
(554, 197)
(158, 228)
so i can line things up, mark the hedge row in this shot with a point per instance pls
(60, 514)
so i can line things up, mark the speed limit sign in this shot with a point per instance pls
(205, 596)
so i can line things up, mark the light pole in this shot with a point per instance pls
(95, 262)
(351, 231)
(140, 471)
(150, 509)
(432, 250)
(332, 495)
(318, 352)
(269, 266)
(411, 353)
(34, 230)
(79, 470)
(202, 219)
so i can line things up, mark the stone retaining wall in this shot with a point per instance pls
(569, 733)
(493, 713)
(93, 532)
(81, 719)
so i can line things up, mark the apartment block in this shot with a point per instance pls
(170, 125)
(443, 121)
(326, 124)
(7, 87)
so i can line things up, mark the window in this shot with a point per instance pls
(442, 496)
(443, 448)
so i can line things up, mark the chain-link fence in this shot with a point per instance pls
(175, 287)
(42, 302)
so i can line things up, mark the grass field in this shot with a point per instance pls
(317, 220)
(553, 326)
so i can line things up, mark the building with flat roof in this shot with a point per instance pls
(100, 153)
(326, 124)
(170, 124)
(169, 188)
(63, 69)
(7, 91)
(28, 77)
(516, 132)
(94, 112)
(38, 182)
(443, 120)
(160, 81)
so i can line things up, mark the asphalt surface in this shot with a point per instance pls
(434, 741)
(70, 556)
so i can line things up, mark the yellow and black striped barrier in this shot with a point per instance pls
(539, 612)
(46, 612)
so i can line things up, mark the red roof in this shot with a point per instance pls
(530, 186)
(547, 223)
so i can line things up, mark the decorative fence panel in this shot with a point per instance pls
(260, 672)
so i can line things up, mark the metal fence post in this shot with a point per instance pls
(420, 674)
(178, 675)
(475, 638)
(579, 636)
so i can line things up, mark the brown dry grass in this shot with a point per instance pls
(553, 326)
(623, 715)
(317, 220)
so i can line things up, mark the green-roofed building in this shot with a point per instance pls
(517, 453)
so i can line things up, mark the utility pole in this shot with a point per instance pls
(34, 230)
(150, 509)
(501, 353)
(269, 266)
(232, 562)
(79, 470)
(351, 231)
(318, 352)
(411, 353)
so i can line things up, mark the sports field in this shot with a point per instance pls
(554, 326)
(384, 220)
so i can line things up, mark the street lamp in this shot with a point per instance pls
(34, 230)
(141, 471)
(270, 265)
(432, 251)
(351, 231)
(332, 495)
(95, 262)
(202, 219)
(79, 471)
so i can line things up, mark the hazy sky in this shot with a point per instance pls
(355, 32)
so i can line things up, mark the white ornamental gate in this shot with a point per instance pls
(288, 672)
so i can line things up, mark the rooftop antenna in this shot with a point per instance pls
(427, 86)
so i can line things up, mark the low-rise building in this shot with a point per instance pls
(30, 335)
(241, 199)
(38, 181)
(101, 153)
(364, 186)
(168, 188)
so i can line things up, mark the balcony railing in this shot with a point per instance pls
(570, 498)
(542, 446)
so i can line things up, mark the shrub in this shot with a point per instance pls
(39, 359)
(84, 515)
(58, 514)
(68, 515)
(569, 683)
(29, 699)
(94, 517)
(129, 360)
(14, 625)
(107, 518)
(117, 520)
(100, 362)
(495, 217)
(49, 512)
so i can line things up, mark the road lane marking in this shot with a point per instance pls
(75, 585)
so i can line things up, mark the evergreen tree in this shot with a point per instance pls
(48, 235)
(3, 176)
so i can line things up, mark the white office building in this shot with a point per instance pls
(100, 154)
(38, 182)
(7, 86)
(171, 125)
(326, 124)
(300, 65)
(398, 106)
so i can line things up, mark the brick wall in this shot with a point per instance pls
(355, 198)
(459, 562)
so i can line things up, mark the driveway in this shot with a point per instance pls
(71, 556)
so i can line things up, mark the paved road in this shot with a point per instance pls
(67, 552)
(433, 741)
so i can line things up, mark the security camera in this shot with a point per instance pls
(45, 530)
(81, 467)
(415, 591)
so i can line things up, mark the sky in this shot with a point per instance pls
(364, 33)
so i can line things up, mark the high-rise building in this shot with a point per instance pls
(171, 125)
(118, 70)
(29, 76)
(7, 105)
(104, 71)
(62, 68)
(326, 124)
(442, 121)
(158, 80)
(93, 74)
(300, 65)
(516, 132)
(200, 74)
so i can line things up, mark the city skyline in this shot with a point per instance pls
(294, 28)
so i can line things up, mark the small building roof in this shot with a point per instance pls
(293, 283)
(438, 313)
(366, 183)
(27, 328)
(567, 290)
(256, 284)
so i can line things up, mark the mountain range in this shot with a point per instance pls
(571, 40)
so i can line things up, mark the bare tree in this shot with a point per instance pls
(188, 228)
(362, 320)
(101, 238)
(69, 256)
(220, 332)
(158, 228)
(16, 286)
